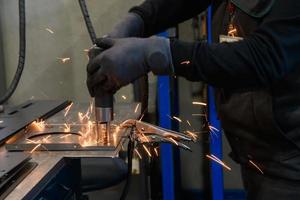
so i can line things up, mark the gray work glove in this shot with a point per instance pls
(132, 25)
(125, 60)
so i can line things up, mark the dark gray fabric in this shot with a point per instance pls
(132, 25)
(263, 187)
(255, 8)
(158, 15)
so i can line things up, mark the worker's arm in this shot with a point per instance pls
(261, 59)
(159, 15)
(264, 57)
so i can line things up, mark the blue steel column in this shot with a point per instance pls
(166, 150)
(215, 139)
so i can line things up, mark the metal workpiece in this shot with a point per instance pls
(15, 119)
(149, 133)
(59, 137)
(74, 129)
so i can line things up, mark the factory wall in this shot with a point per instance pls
(45, 76)
(2, 72)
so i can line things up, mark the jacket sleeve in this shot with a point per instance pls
(266, 56)
(159, 15)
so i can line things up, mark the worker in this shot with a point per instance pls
(253, 64)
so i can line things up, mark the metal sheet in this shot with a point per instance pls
(9, 161)
(84, 135)
(16, 118)
(16, 174)
(48, 160)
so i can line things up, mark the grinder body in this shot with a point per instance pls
(103, 105)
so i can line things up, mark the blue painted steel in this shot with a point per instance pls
(215, 139)
(166, 150)
(167, 164)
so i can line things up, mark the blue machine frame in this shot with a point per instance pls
(215, 139)
(166, 150)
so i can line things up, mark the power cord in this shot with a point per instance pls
(22, 51)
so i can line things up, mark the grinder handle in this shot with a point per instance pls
(102, 98)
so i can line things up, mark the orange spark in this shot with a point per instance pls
(39, 125)
(156, 152)
(177, 118)
(217, 160)
(64, 60)
(67, 109)
(31, 141)
(138, 153)
(141, 117)
(45, 139)
(199, 103)
(198, 114)
(146, 139)
(67, 128)
(37, 146)
(173, 141)
(188, 122)
(193, 135)
(232, 32)
(213, 129)
(80, 116)
(256, 166)
(148, 152)
(186, 62)
(124, 97)
(136, 108)
(49, 30)
(64, 136)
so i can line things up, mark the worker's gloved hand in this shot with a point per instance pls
(125, 60)
(132, 25)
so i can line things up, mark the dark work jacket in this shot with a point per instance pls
(257, 80)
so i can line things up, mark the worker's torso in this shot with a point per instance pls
(262, 124)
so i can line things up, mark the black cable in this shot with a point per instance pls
(144, 92)
(130, 150)
(22, 51)
(87, 19)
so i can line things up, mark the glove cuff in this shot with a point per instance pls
(159, 56)
(182, 56)
(131, 26)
